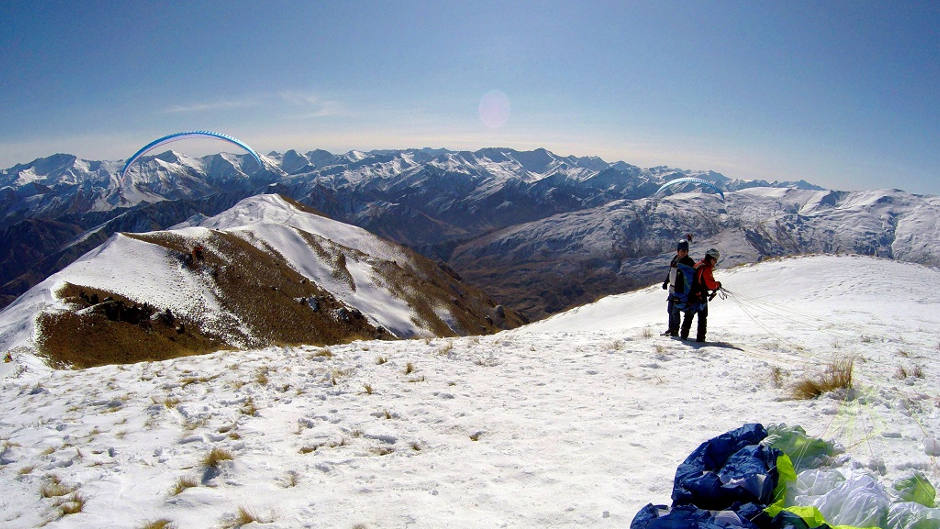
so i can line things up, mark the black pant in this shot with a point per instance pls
(702, 310)
(675, 314)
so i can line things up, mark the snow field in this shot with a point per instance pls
(575, 421)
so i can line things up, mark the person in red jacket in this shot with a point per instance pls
(698, 298)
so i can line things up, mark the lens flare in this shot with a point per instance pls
(494, 109)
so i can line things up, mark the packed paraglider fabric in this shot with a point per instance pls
(747, 479)
(731, 467)
(804, 451)
(917, 489)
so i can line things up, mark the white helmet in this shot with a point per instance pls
(713, 253)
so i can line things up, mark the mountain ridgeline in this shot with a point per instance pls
(537, 231)
(267, 271)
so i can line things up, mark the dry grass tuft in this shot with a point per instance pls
(54, 488)
(368, 389)
(293, 479)
(838, 375)
(909, 372)
(162, 523)
(322, 353)
(381, 360)
(183, 484)
(73, 505)
(409, 368)
(243, 517)
(249, 408)
(216, 456)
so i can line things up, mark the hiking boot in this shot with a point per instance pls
(667, 333)
(700, 339)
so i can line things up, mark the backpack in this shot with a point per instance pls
(698, 292)
(685, 278)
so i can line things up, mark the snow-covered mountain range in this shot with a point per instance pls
(574, 421)
(265, 271)
(538, 231)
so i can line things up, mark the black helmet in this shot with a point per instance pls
(683, 245)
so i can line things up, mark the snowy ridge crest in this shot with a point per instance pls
(267, 270)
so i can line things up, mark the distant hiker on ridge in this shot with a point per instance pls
(699, 296)
(678, 281)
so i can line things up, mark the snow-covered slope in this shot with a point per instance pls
(550, 264)
(575, 421)
(263, 255)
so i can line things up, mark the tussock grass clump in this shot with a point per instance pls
(909, 372)
(216, 456)
(292, 479)
(54, 488)
(322, 353)
(838, 375)
(409, 368)
(242, 517)
(368, 389)
(73, 505)
(249, 408)
(380, 360)
(162, 523)
(183, 484)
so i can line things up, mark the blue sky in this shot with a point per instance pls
(843, 94)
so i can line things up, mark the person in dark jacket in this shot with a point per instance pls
(699, 296)
(675, 301)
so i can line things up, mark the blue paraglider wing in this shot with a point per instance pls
(689, 180)
(180, 135)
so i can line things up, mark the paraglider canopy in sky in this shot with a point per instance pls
(687, 180)
(183, 135)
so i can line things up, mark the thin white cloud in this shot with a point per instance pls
(221, 104)
(310, 106)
